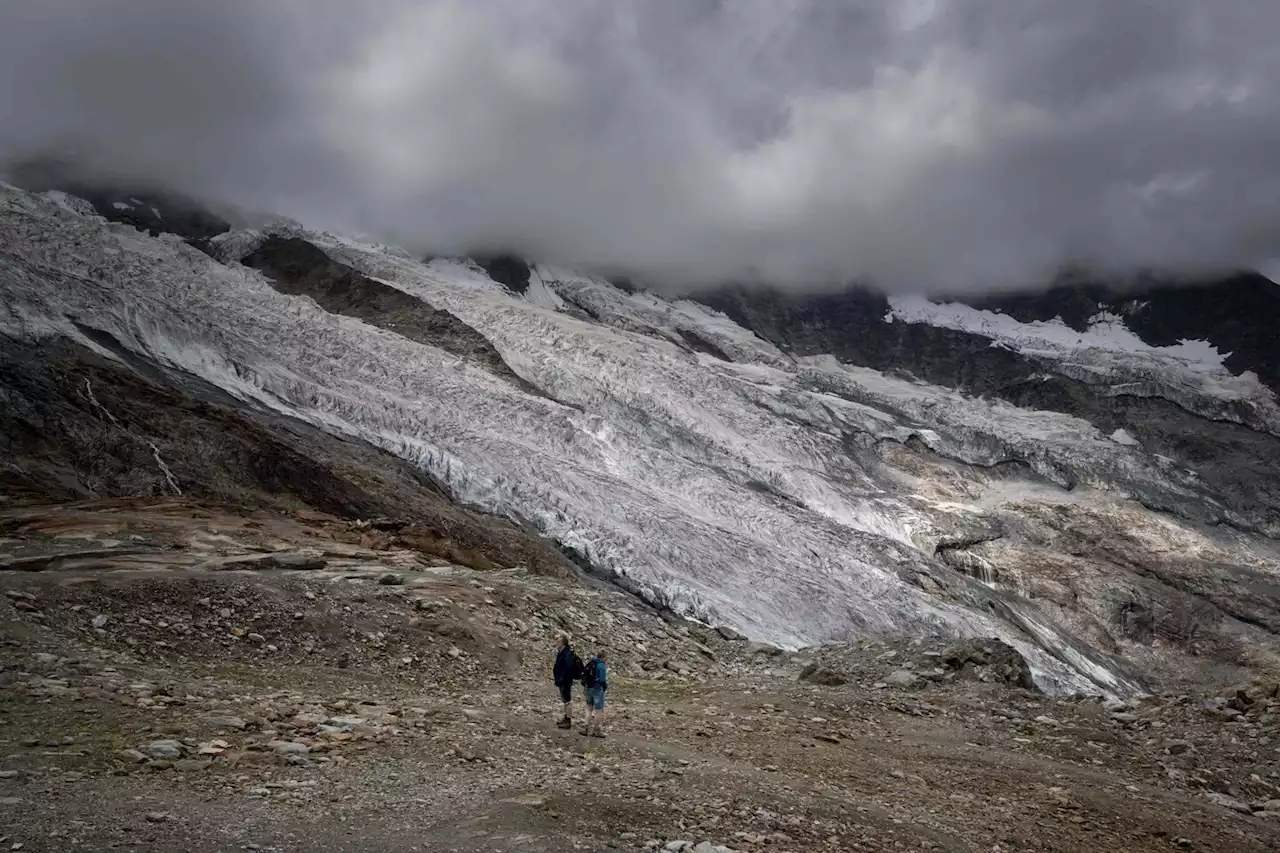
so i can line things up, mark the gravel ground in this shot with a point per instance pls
(341, 699)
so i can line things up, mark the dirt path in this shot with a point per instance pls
(725, 762)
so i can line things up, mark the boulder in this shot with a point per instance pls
(730, 634)
(284, 747)
(902, 678)
(163, 749)
(1228, 802)
(219, 721)
(817, 674)
(989, 660)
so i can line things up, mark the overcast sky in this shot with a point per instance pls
(918, 143)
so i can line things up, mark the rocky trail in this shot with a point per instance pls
(183, 676)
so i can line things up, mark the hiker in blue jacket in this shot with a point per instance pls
(595, 679)
(567, 669)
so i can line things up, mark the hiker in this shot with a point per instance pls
(567, 669)
(595, 680)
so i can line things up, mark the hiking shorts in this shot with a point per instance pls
(595, 698)
(566, 692)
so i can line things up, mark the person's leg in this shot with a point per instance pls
(598, 729)
(566, 696)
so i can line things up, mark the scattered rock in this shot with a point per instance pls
(226, 722)
(163, 749)
(821, 675)
(902, 678)
(1228, 802)
(100, 621)
(191, 765)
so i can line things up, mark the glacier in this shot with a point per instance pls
(698, 464)
(1191, 372)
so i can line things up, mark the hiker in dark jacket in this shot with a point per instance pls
(566, 670)
(595, 679)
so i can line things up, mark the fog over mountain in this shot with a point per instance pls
(920, 145)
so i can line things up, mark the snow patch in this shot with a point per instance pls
(70, 203)
(1122, 437)
(1106, 332)
(540, 293)
(1192, 374)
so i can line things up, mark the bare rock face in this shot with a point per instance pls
(301, 268)
(152, 209)
(508, 270)
(78, 426)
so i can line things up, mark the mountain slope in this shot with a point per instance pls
(773, 483)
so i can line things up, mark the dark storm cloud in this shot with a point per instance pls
(919, 143)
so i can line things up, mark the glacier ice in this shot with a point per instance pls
(724, 489)
(1191, 373)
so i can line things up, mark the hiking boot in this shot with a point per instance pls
(565, 723)
(597, 733)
